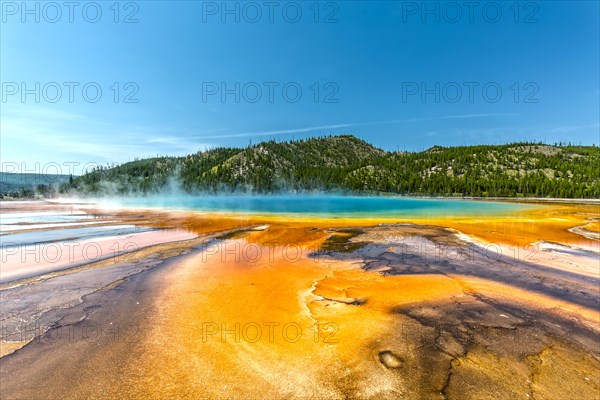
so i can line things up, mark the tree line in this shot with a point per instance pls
(347, 164)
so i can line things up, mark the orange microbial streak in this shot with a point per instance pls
(265, 314)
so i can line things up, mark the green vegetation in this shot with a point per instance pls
(28, 185)
(345, 163)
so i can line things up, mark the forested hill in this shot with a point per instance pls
(348, 164)
(16, 184)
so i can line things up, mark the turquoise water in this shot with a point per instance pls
(326, 205)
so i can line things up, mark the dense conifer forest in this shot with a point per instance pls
(349, 165)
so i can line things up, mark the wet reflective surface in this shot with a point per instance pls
(301, 308)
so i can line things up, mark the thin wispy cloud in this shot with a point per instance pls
(73, 136)
(573, 128)
(349, 125)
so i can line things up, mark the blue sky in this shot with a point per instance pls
(394, 73)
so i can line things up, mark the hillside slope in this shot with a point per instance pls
(26, 184)
(345, 163)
